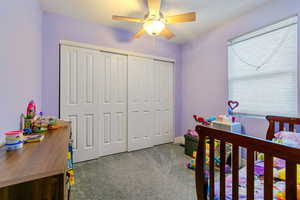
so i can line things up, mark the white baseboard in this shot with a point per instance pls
(179, 140)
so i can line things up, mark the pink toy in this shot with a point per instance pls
(200, 120)
(192, 132)
(31, 110)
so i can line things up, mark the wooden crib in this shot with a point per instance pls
(252, 145)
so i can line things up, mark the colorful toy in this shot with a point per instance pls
(31, 110)
(283, 194)
(192, 163)
(227, 169)
(279, 195)
(211, 119)
(30, 117)
(201, 120)
(192, 132)
(40, 124)
(14, 140)
(232, 105)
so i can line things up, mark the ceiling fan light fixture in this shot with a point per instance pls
(154, 27)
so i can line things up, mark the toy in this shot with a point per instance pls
(192, 132)
(279, 195)
(30, 117)
(283, 193)
(34, 138)
(40, 124)
(201, 120)
(232, 105)
(224, 119)
(14, 140)
(282, 174)
(211, 119)
(192, 163)
(31, 110)
(261, 156)
(27, 123)
(227, 169)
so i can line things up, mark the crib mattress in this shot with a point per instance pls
(279, 186)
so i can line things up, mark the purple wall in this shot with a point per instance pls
(20, 59)
(204, 65)
(57, 27)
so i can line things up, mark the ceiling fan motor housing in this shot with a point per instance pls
(154, 23)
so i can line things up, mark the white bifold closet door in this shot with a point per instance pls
(150, 102)
(93, 96)
(140, 102)
(163, 102)
(113, 103)
(79, 99)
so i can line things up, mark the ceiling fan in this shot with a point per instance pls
(154, 22)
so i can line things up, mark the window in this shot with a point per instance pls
(262, 70)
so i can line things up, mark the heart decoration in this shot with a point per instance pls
(233, 104)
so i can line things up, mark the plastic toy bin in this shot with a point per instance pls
(191, 144)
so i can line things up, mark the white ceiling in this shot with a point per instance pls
(210, 13)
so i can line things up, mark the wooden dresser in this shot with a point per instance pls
(36, 172)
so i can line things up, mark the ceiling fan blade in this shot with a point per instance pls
(154, 6)
(139, 33)
(128, 19)
(167, 33)
(186, 17)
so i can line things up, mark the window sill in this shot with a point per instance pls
(242, 115)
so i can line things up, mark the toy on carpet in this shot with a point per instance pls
(192, 163)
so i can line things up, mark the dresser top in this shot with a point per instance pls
(36, 160)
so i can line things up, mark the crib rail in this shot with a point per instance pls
(282, 121)
(252, 145)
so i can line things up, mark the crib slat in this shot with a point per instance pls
(281, 126)
(291, 183)
(235, 172)
(222, 169)
(291, 127)
(212, 167)
(268, 177)
(250, 174)
(200, 174)
(271, 130)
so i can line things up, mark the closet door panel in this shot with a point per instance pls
(164, 132)
(78, 102)
(113, 100)
(140, 103)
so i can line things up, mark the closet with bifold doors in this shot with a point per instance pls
(116, 101)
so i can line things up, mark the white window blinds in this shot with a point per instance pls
(262, 70)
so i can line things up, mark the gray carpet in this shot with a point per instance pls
(156, 173)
